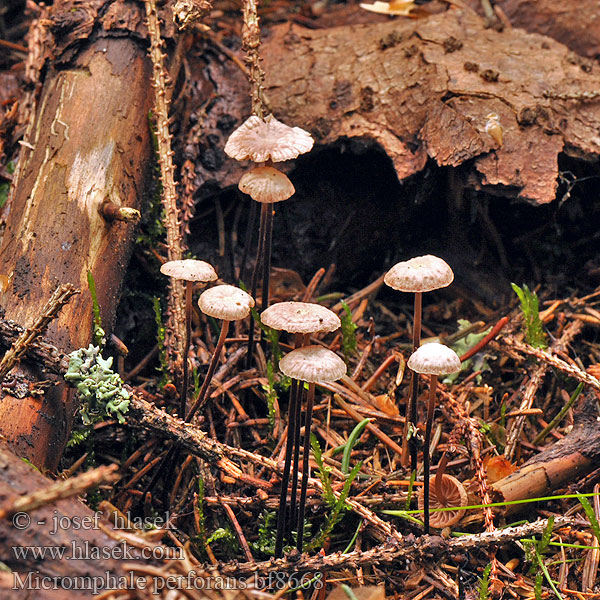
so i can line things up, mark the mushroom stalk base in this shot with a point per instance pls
(426, 457)
(186, 348)
(305, 460)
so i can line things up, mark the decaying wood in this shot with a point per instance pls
(89, 143)
(424, 89)
(564, 462)
(53, 525)
(575, 24)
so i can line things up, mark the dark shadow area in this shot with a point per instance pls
(350, 211)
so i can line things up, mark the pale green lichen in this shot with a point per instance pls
(100, 389)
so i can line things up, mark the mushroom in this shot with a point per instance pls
(395, 7)
(431, 359)
(313, 364)
(228, 303)
(264, 140)
(267, 139)
(417, 275)
(188, 270)
(266, 185)
(451, 493)
(302, 319)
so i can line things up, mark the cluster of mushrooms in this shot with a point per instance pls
(310, 364)
(265, 141)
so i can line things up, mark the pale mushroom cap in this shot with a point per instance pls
(260, 140)
(226, 302)
(266, 185)
(420, 274)
(454, 495)
(189, 269)
(300, 317)
(434, 359)
(399, 7)
(313, 364)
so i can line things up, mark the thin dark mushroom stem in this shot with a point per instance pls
(254, 280)
(214, 361)
(305, 460)
(248, 240)
(285, 476)
(304, 339)
(411, 406)
(186, 349)
(426, 457)
(267, 256)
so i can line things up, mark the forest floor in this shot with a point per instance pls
(515, 399)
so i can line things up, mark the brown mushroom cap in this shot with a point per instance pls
(434, 359)
(189, 269)
(454, 495)
(266, 185)
(226, 302)
(260, 140)
(313, 364)
(300, 317)
(420, 274)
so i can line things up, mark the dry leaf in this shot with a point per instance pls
(497, 468)
(398, 7)
(386, 405)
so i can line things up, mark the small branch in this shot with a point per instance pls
(113, 212)
(61, 490)
(175, 311)
(415, 549)
(553, 361)
(59, 298)
(534, 382)
(251, 46)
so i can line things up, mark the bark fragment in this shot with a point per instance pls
(89, 144)
(425, 89)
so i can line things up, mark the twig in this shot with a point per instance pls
(536, 378)
(60, 490)
(238, 531)
(389, 442)
(414, 550)
(553, 361)
(175, 309)
(59, 298)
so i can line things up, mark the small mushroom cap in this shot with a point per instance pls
(260, 140)
(300, 317)
(395, 7)
(434, 359)
(226, 302)
(313, 364)
(454, 495)
(420, 274)
(189, 269)
(266, 185)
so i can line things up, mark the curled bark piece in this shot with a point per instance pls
(425, 89)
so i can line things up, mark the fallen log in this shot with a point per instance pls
(88, 144)
(62, 549)
(564, 462)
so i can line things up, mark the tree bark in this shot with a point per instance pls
(89, 144)
(574, 24)
(67, 524)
